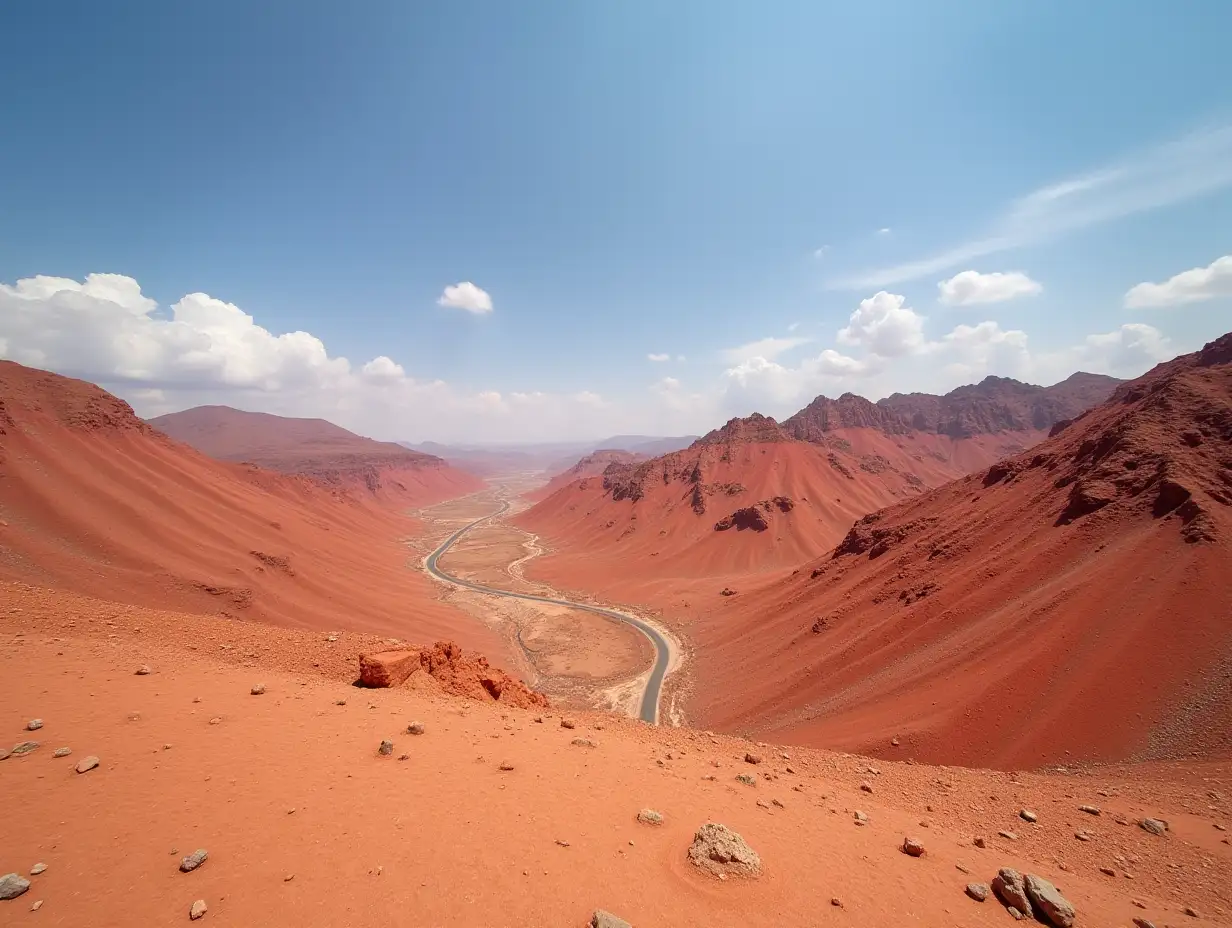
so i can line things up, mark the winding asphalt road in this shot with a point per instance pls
(649, 711)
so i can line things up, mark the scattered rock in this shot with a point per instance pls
(1016, 914)
(746, 779)
(216, 720)
(979, 842)
(977, 891)
(38, 868)
(38, 904)
(506, 766)
(602, 919)
(1083, 835)
(1089, 810)
(86, 764)
(836, 902)
(1140, 922)
(386, 748)
(894, 742)
(288, 878)
(912, 847)
(866, 787)
(61, 752)
(583, 743)
(751, 758)
(1028, 816)
(1010, 887)
(34, 724)
(1008, 835)
(1190, 911)
(727, 591)
(198, 910)
(1050, 905)
(258, 690)
(650, 817)
(719, 850)
(144, 670)
(194, 860)
(416, 728)
(12, 885)
(567, 723)
(1107, 871)
(859, 817)
(1153, 825)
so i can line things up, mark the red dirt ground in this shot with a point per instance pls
(95, 501)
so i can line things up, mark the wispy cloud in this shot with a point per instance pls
(658, 357)
(1188, 167)
(766, 348)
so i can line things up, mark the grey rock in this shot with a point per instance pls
(1154, 825)
(386, 748)
(1011, 889)
(194, 860)
(12, 886)
(198, 910)
(38, 868)
(25, 747)
(719, 850)
(1049, 904)
(34, 724)
(86, 764)
(416, 728)
(650, 817)
(977, 891)
(602, 919)
(61, 752)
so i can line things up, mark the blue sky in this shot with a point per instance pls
(725, 183)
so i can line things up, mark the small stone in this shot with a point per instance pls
(650, 817)
(720, 851)
(1083, 835)
(37, 869)
(34, 724)
(1050, 906)
(859, 817)
(12, 885)
(38, 904)
(386, 748)
(144, 670)
(912, 847)
(198, 910)
(777, 803)
(567, 723)
(216, 720)
(506, 766)
(583, 743)
(194, 860)
(258, 690)
(1107, 871)
(866, 787)
(894, 742)
(1153, 825)
(751, 758)
(1190, 911)
(61, 752)
(86, 764)
(1010, 887)
(836, 902)
(1140, 922)
(746, 779)
(977, 891)
(1008, 835)
(288, 878)
(1028, 816)
(416, 728)
(1016, 914)
(602, 919)
(979, 842)
(1089, 810)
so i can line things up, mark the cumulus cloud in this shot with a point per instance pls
(969, 288)
(975, 350)
(466, 296)
(1125, 352)
(658, 357)
(762, 348)
(884, 325)
(1193, 286)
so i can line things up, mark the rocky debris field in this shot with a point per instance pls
(480, 813)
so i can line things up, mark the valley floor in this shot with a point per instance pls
(305, 823)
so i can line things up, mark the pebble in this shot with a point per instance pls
(198, 910)
(604, 919)
(506, 766)
(34, 724)
(288, 878)
(416, 728)
(836, 902)
(38, 904)
(979, 842)
(912, 847)
(216, 720)
(583, 743)
(977, 891)
(144, 670)
(866, 787)
(1089, 810)
(1190, 911)
(1008, 835)
(194, 860)
(567, 723)
(1107, 871)
(1028, 816)
(1140, 922)
(746, 779)
(751, 758)
(650, 817)
(61, 752)
(1153, 825)
(86, 764)
(12, 885)
(37, 869)
(258, 690)
(859, 817)
(386, 748)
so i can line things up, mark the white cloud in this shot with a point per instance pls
(819, 253)
(883, 231)
(1125, 352)
(1192, 286)
(969, 288)
(793, 327)
(1179, 170)
(762, 348)
(975, 350)
(467, 296)
(885, 326)
(658, 357)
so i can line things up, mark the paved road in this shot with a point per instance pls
(649, 711)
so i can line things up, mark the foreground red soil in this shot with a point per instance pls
(305, 823)
(95, 501)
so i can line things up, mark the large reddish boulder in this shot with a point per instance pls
(388, 668)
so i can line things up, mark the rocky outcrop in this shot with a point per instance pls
(388, 668)
(720, 851)
(1050, 905)
(754, 517)
(454, 671)
(1010, 887)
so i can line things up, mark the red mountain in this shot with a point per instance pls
(591, 465)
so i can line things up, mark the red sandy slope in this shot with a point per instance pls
(1071, 602)
(327, 453)
(832, 462)
(95, 501)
